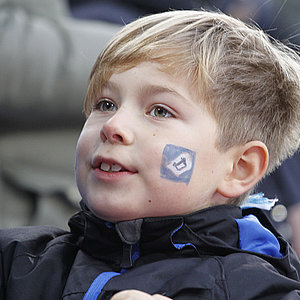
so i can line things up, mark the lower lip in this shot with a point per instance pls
(111, 176)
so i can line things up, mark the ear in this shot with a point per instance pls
(247, 166)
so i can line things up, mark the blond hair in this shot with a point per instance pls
(249, 82)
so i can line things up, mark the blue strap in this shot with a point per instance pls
(256, 238)
(98, 284)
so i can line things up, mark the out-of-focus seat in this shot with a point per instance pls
(45, 60)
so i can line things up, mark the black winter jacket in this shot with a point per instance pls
(205, 255)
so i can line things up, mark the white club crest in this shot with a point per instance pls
(180, 164)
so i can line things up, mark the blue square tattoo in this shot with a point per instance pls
(177, 163)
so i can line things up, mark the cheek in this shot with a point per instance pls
(81, 154)
(177, 163)
(78, 167)
(86, 142)
(151, 157)
(169, 172)
(169, 198)
(168, 164)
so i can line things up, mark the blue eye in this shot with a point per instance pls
(160, 112)
(105, 105)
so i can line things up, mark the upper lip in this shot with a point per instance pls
(98, 160)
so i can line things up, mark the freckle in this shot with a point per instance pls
(154, 134)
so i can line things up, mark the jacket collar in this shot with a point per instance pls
(208, 231)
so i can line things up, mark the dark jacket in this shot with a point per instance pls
(210, 254)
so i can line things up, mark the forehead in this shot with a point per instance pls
(148, 88)
(149, 78)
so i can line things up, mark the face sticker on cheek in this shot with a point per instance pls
(177, 163)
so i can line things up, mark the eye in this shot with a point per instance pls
(160, 112)
(105, 105)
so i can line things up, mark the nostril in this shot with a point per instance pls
(103, 136)
(118, 137)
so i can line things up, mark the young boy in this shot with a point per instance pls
(186, 112)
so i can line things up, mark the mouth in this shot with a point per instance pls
(109, 166)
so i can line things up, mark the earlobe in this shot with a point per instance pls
(248, 166)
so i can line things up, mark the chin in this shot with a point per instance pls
(114, 214)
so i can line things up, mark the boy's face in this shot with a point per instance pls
(148, 149)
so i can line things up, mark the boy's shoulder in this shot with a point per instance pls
(253, 275)
(33, 238)
(32, 257)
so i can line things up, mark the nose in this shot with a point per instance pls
(117, 131)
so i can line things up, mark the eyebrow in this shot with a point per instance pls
(147, 90)
(152, 90)
(109, 85)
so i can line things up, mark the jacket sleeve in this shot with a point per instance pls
(2, 284)
(252, 277)
(7, 249)
(18, 242)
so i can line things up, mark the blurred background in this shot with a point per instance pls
(47, 49)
